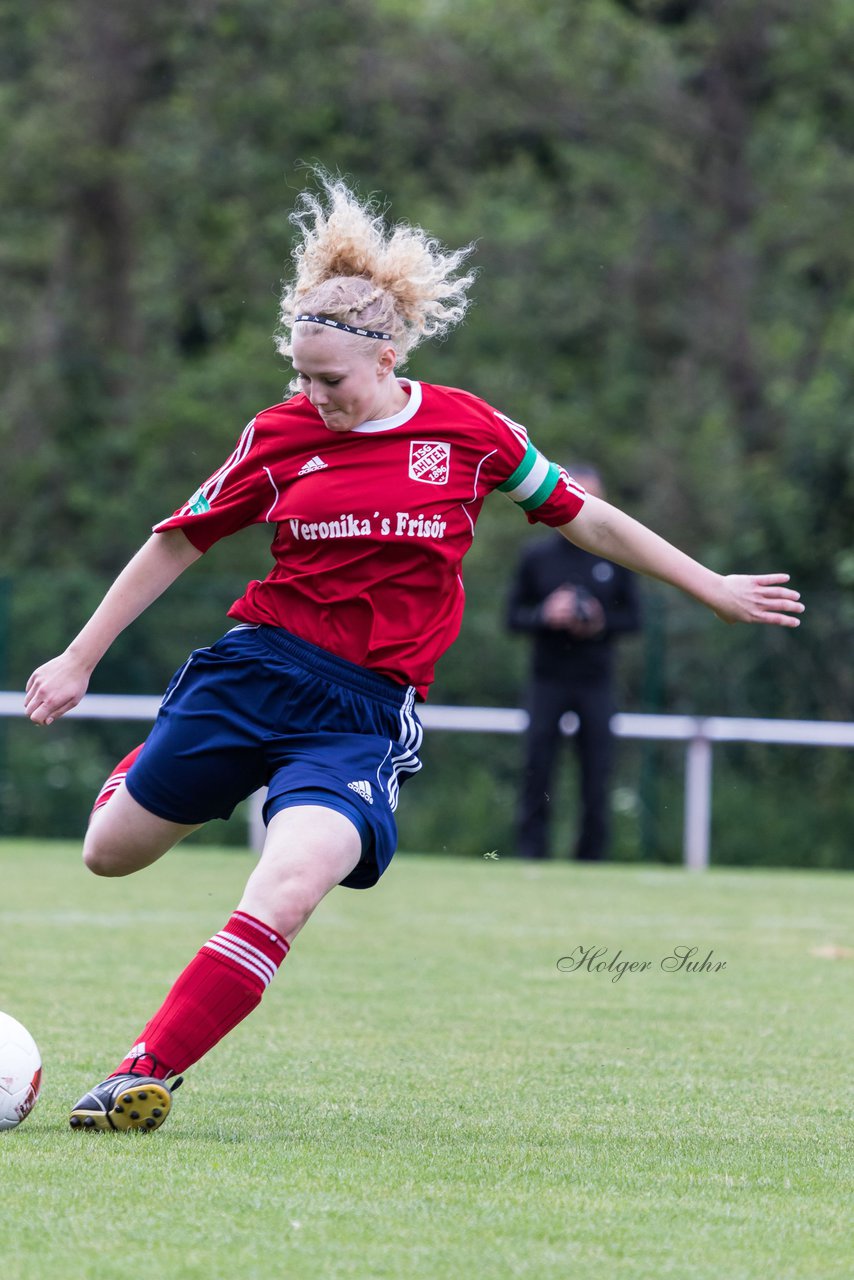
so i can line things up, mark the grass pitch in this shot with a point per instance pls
(423, 1093)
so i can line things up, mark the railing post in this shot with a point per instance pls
(698, 732)
(698, 801)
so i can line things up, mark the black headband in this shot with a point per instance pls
(348, 328)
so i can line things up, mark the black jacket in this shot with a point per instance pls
(547, 565)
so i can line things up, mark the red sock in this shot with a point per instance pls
(223, 984)
(116, 778)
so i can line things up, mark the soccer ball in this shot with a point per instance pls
(20, 1072)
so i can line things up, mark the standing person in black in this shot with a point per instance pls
(574, 604)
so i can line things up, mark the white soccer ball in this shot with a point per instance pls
(20, 1072)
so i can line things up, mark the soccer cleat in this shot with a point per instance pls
(125, 1102)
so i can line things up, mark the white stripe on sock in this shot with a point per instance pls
(252, 954)
(243, 953)
(267, 930)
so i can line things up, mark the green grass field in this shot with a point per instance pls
(423, 1093)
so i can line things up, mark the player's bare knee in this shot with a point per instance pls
(286, 905)
(101, 857)
(98, 863)
(293, 910)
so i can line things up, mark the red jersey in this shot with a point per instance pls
(371, 525)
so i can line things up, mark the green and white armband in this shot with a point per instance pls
(534, 480)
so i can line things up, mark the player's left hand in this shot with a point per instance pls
(760, 598)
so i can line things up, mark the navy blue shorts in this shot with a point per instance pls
(262, 708)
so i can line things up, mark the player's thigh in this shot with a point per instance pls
(123, 837)
(309, 849)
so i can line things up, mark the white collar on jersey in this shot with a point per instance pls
(408, 411)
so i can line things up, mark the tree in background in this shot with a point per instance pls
(660, 191)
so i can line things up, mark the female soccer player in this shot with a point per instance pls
(372, 485)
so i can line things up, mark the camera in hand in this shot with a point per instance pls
(585, 605)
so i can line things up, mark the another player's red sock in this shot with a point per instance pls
(223, 984)
(116, 778)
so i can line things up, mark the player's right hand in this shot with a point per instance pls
(55, 687)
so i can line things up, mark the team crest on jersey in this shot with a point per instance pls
(429, 461)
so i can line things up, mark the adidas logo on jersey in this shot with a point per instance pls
(314, 464)
(362, 789)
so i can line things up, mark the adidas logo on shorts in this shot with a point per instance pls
(362, 789)
(314, 464)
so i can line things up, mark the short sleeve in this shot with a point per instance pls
(240, 493)
(545, 491)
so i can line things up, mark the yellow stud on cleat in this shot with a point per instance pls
(125, 1102)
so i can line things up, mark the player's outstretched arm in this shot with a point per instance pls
(608, 532)
(58, 685)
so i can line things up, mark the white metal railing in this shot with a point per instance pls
(699, 733)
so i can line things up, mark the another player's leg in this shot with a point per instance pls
(309, 849)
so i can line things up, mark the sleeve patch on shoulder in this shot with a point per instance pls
(198, 504)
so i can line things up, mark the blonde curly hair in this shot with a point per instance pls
(351, 266)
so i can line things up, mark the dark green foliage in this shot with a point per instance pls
(661, 196)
